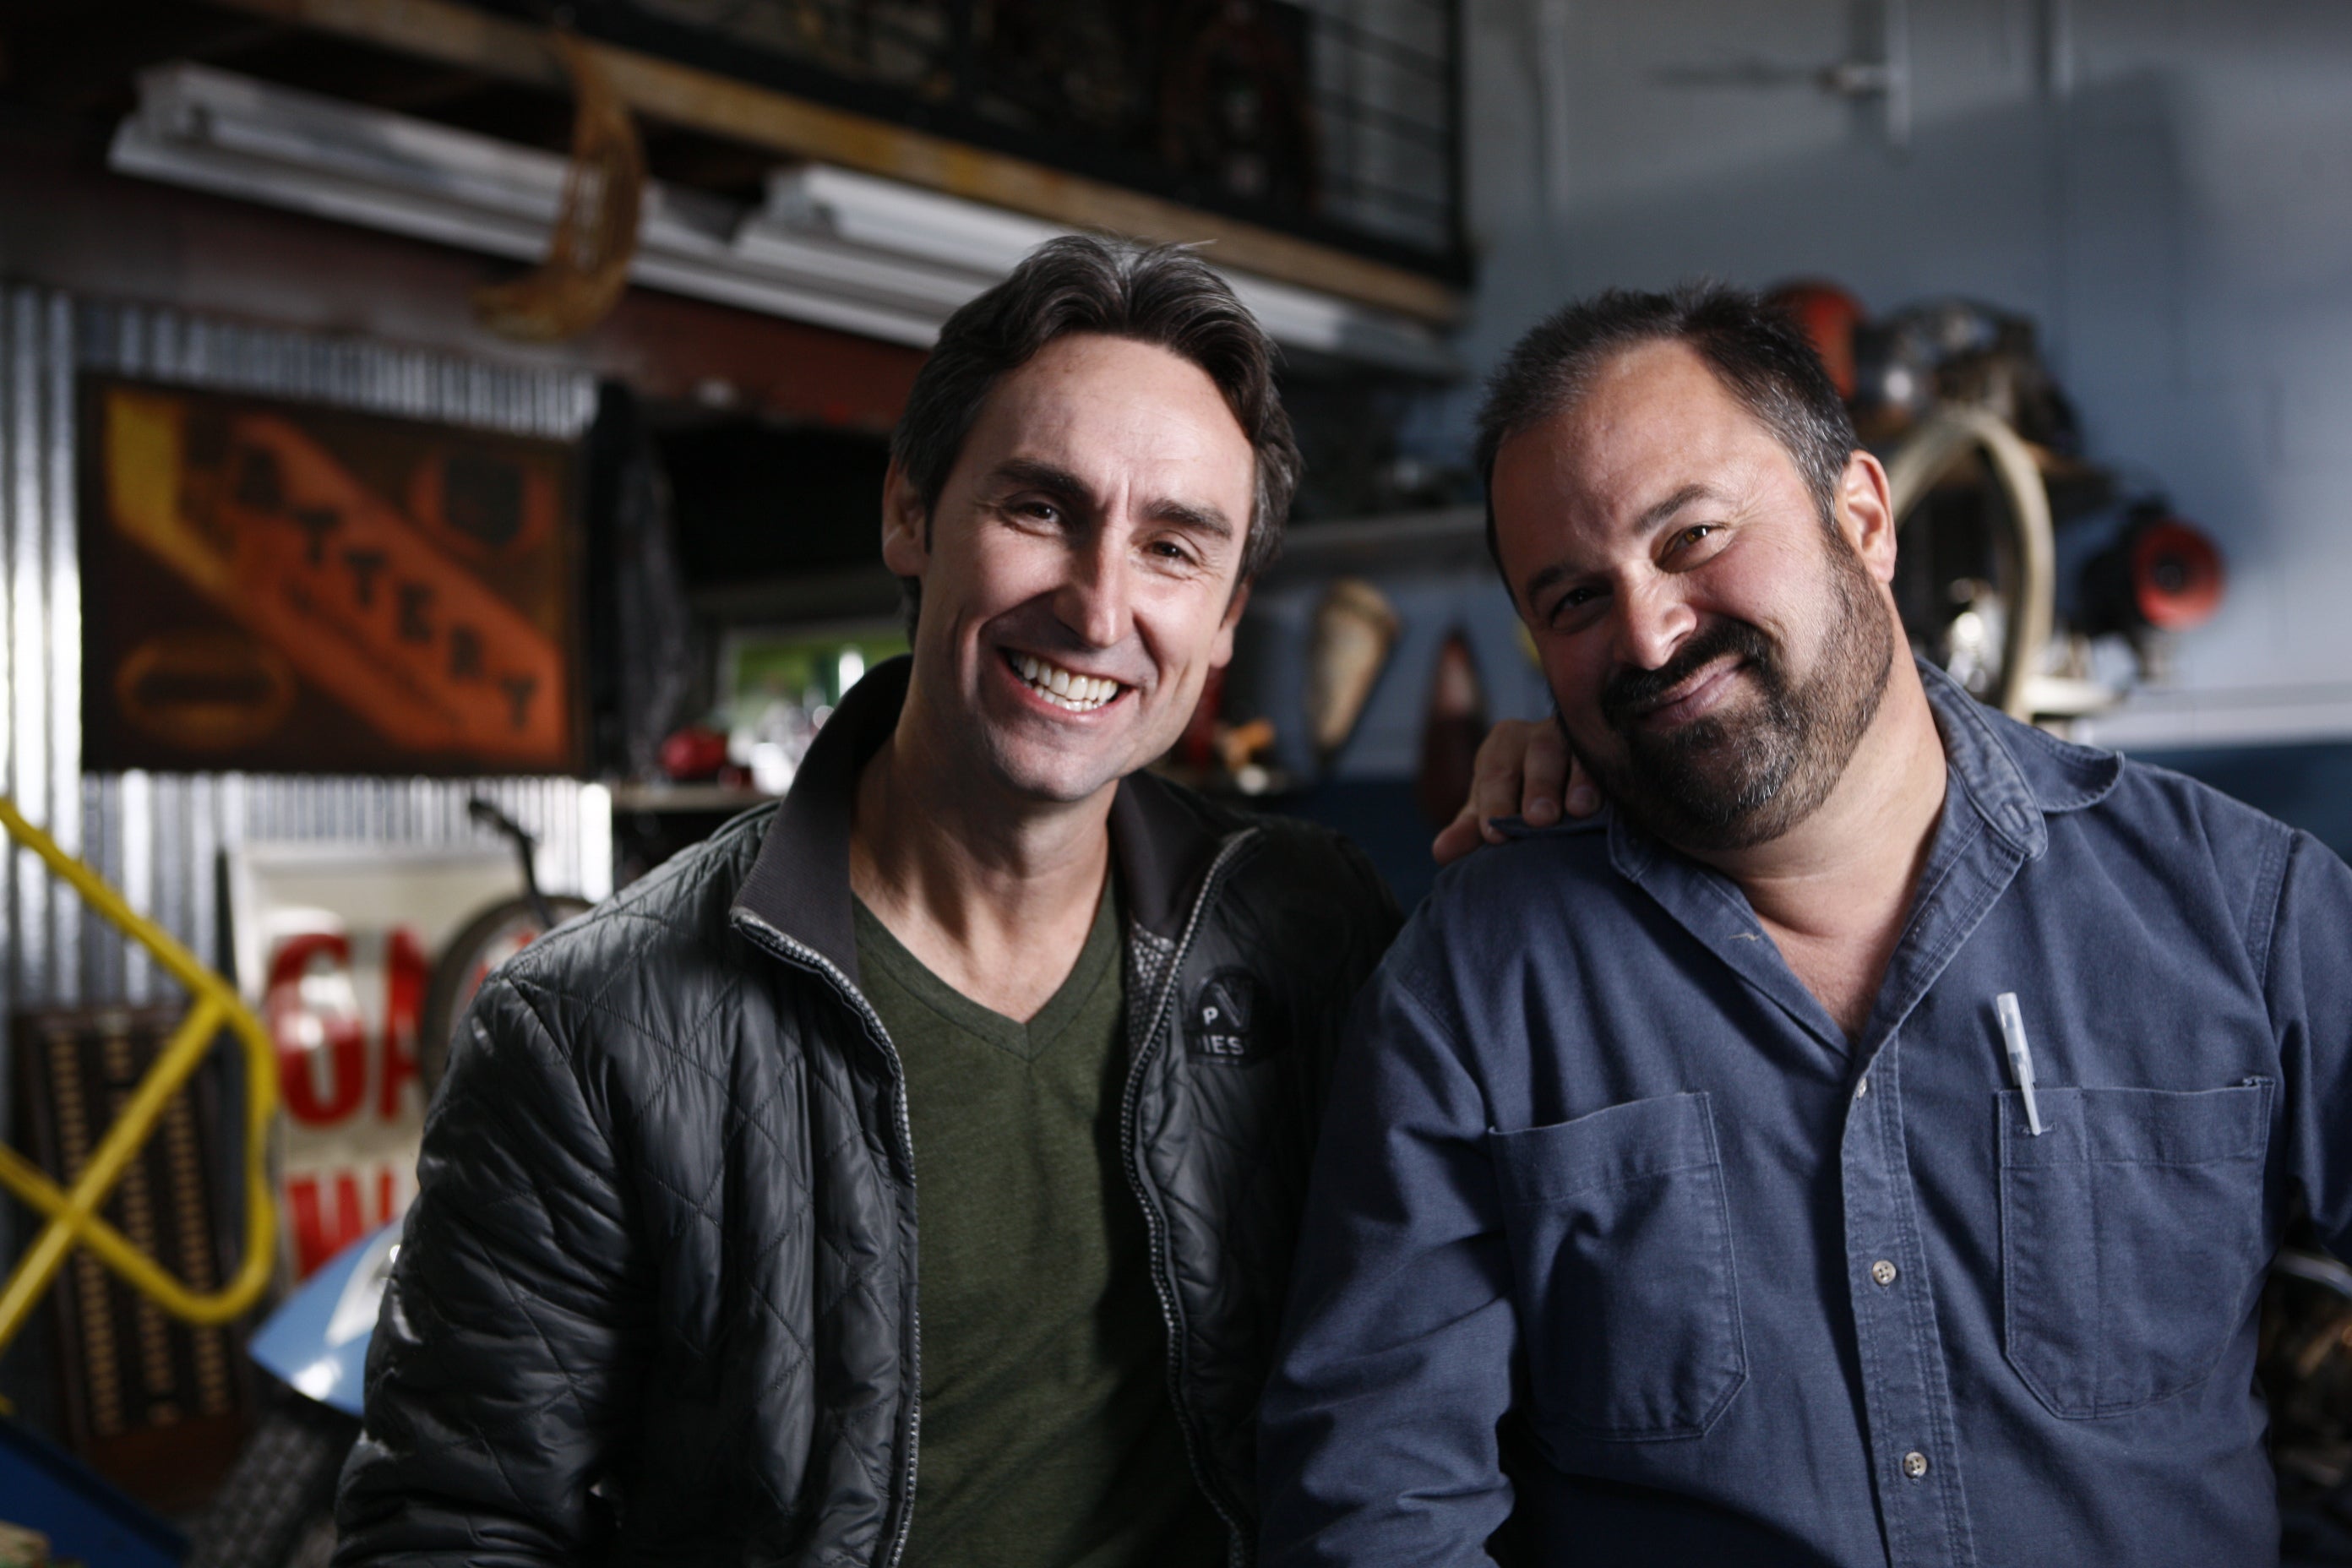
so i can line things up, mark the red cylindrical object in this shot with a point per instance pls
(2177, 577)
(695, 751)
(1198, 747)
(1828, 314)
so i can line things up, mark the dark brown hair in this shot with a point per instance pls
(1763, 359)
(1163, 295)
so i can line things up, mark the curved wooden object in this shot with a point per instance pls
(1942, 441)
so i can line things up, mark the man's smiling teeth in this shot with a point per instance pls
(1078, 693)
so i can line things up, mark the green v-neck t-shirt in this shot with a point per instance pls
(1048, 1439)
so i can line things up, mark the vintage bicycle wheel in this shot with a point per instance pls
(489, 940)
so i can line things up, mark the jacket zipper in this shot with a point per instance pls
(808, 957)
(1163, 1279)
(784, 947)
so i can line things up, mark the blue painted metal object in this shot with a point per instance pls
(316, 1342)
(43, 1488)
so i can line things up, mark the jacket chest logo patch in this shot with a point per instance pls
(1218, 1026)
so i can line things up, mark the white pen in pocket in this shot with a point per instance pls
(2021, 1055)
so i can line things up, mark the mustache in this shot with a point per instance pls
(1034, 627)
(1632, 692)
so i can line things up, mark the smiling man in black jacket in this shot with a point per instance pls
(658, 1294)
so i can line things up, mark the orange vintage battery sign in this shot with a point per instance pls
(272, 587)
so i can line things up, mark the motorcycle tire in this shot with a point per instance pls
(281, 1490)
(467, 959)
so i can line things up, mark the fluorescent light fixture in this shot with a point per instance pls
(839, 250)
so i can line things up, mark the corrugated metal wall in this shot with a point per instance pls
(159, 836)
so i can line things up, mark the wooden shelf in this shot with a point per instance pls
(686, 797)
(825, 595)
(1445, 538)
(721, 106)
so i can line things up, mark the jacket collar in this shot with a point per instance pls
(1164, 838)
(2014, 774)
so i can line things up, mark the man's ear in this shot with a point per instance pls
(905, 525)
(1223, 654)
(1865, 514)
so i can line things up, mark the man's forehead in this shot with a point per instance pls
(1091, 369)
(1654, 420)
(1656, 394)
(1109, 410)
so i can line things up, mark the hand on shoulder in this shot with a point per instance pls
(1524, 769)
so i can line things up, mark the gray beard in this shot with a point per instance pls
(1730, 783)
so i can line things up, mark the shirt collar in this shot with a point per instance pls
(2016, 776)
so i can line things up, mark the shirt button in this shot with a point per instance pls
(1915, 1464)
(1883, 1272)
(1861, 1086)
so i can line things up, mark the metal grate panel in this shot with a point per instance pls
(1338, 119)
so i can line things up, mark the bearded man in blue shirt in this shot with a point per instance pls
(1682, 1197)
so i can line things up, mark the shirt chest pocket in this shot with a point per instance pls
(1619, 1234)
(2132, 1239)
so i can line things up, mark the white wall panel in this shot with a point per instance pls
(2161, 186)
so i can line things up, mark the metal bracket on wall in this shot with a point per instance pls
(1887, 78)
(1880, 68)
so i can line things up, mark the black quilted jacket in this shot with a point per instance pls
(656, 1300)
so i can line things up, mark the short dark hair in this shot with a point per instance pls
(1163, 295)
(1761, 356)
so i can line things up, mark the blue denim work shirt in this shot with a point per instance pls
(1751, 1291)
